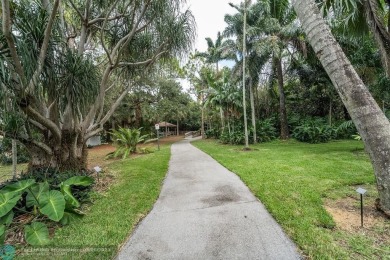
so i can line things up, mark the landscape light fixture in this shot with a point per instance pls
(361, 191)
(97, 170)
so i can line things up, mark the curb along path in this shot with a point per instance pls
(206, 212)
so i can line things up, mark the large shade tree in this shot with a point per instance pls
(60, 58)
(370, 121)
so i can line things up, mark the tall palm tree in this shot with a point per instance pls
(370, 121)
(271, 29)
(214, 51)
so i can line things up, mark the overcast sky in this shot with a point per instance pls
(209, 16)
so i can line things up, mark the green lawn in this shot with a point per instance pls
(294, 179)
(6, 171)
(114, 213)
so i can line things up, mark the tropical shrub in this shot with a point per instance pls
(314, 130)
(126, 141)
(212, 133)
(234, 137)
(346, 129)
(40, 204)
(266, 130)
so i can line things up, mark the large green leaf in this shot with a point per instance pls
(52, 204)
(79, 181)
(7, 219)
(36, 234)
(65, 189)
(2, 234)
(19, 186)
(35, 192)
(8, 201)
(69, 216)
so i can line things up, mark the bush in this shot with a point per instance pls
(126, 141)
(213, 133)
(46, 198)
(235, 137)
(346, 129)
(54, 178)
(314, 130)
(266, 130)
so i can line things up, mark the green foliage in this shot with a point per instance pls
(36, 234)
(311, 133)
(126, 141)
(346, 129)
(213, 133)
(234, 137)
(38, 200)
(266, 130)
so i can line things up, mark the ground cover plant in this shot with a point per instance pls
(296, 181)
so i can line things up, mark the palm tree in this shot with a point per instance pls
(372, 124)
(214, 51)
(213, 55)
(362, 17)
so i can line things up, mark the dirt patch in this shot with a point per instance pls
(346, 214)
(97, 155)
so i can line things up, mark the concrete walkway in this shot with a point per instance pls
(205, 212)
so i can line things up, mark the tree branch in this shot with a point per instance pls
(45, 45)
(77, 10)
(44, 121)
(10, 41)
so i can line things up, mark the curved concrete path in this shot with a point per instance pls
(206, 212)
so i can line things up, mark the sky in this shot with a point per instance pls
(209, 16)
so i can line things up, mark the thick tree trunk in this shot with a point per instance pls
(70, 154)
(372, 124)
(284, 131)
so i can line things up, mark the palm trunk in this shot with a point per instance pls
(284, 132)
(372, 124)
(252, 110)
(330, 112)
(222, 119)
(202, 126)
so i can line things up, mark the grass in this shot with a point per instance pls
(6, 171)
(294, 179)
(114, 213)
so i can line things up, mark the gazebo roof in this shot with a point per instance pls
(166, 124)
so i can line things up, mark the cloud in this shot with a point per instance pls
(209, 16)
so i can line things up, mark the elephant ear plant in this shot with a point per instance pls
(41, 204)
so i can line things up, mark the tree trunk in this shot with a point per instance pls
(372, 124)
(14, 157)
(177, 127)
(284, 131)
(202, 126)
(330, 112)
(252, 100)
(222, 118)
(70, 154)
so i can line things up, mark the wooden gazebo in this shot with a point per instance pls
(167, 128)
